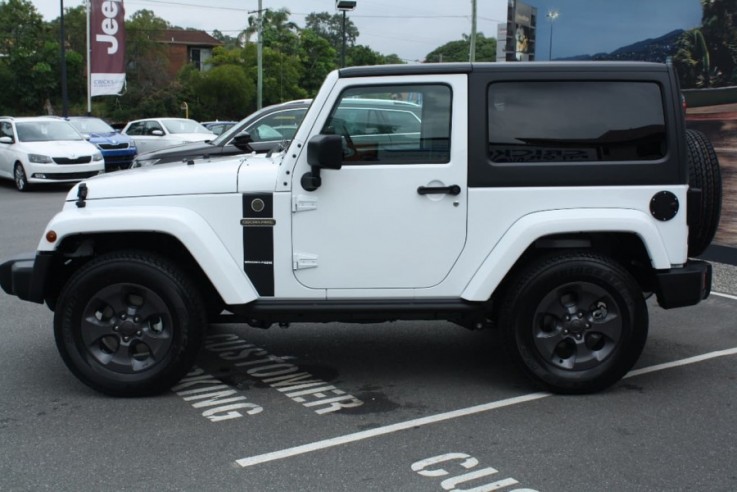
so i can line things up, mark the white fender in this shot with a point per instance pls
(224, 271)
(536, 225)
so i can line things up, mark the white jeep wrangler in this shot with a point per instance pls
(548, 200)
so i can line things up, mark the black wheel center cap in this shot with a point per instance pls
(577, 325)
(128, 328)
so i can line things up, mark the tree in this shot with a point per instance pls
(719, 28)
(29, 59)
(282, 76)
(317, 57)
(330, 27)
(151, 90)
(75, 39)
(146, 60)
(228, 41)
(226, 79)
(359, 55)
(75, 29)
(458, 51)
(277, 31)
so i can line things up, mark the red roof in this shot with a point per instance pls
(190, 38)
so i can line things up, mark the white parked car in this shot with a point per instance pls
(45, 150)
(158, 133)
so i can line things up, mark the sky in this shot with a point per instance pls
(413, 28)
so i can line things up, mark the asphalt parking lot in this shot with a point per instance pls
(408, 406)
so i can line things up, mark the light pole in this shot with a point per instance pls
(259, 56)
(344, 6)
(64, 96)
(552, 15)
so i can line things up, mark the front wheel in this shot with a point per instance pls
(129, 324)
(576, 322)
(20, 178)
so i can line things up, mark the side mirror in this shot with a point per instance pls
(6, 140)
(323, 152)
(243, 141)
(157, 133)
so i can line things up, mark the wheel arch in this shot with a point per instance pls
(627, 235)
(184, 236)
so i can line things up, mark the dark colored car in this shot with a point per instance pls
(117, 149)
(219, 127)
(268, 128)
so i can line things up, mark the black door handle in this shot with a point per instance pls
(448, 190)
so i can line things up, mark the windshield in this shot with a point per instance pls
(184, 126)
(297, 114)
(91, 125)
(234, 130)
(46, 131)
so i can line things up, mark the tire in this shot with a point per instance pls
(20, 178)
(575, 322)
(129, 324)
(704, 173)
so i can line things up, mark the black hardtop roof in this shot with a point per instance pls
(449, 68)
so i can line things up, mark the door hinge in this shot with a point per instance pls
(302, 203)
(301, 261)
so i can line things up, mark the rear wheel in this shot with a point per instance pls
(19, 175)
(704, 173)
(576, 322)
(129, 324)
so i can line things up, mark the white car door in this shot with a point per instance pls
(394, 216)
(7, 154)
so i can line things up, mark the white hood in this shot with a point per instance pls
(227, 175)
(63, 148)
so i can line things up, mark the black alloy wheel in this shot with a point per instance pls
(575, 321)
(129, 324)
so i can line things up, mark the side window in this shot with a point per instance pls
(393, 124)
(6, 130)
(135, 129)
(558, 121)
(153, 125)
(281, 125)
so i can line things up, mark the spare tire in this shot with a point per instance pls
(704, 174)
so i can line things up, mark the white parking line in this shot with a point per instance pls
(724, 295)
(389, 429)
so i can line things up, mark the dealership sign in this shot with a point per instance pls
(107, 47)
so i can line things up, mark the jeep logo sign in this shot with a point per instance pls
(107, 53)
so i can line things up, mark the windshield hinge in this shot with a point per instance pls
(301, 261)
(303, 203)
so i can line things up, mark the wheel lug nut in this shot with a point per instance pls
(138, 333)
(116, 328)
(125, 339)
(123, 316)
(137, 319)
(580, 315)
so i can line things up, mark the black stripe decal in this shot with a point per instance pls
(258, 241)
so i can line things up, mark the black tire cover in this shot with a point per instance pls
(704, 173)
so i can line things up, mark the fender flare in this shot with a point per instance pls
(190, 228)
(529, 228)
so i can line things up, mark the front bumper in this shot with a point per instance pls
(24, 275)
(685, 286)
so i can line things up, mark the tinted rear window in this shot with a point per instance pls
(575, 121)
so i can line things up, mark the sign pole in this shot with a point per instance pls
(89, 64)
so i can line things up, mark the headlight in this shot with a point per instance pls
(40, 159)
(144, 162)
(97, 156)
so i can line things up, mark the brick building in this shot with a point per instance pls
(187, 46)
